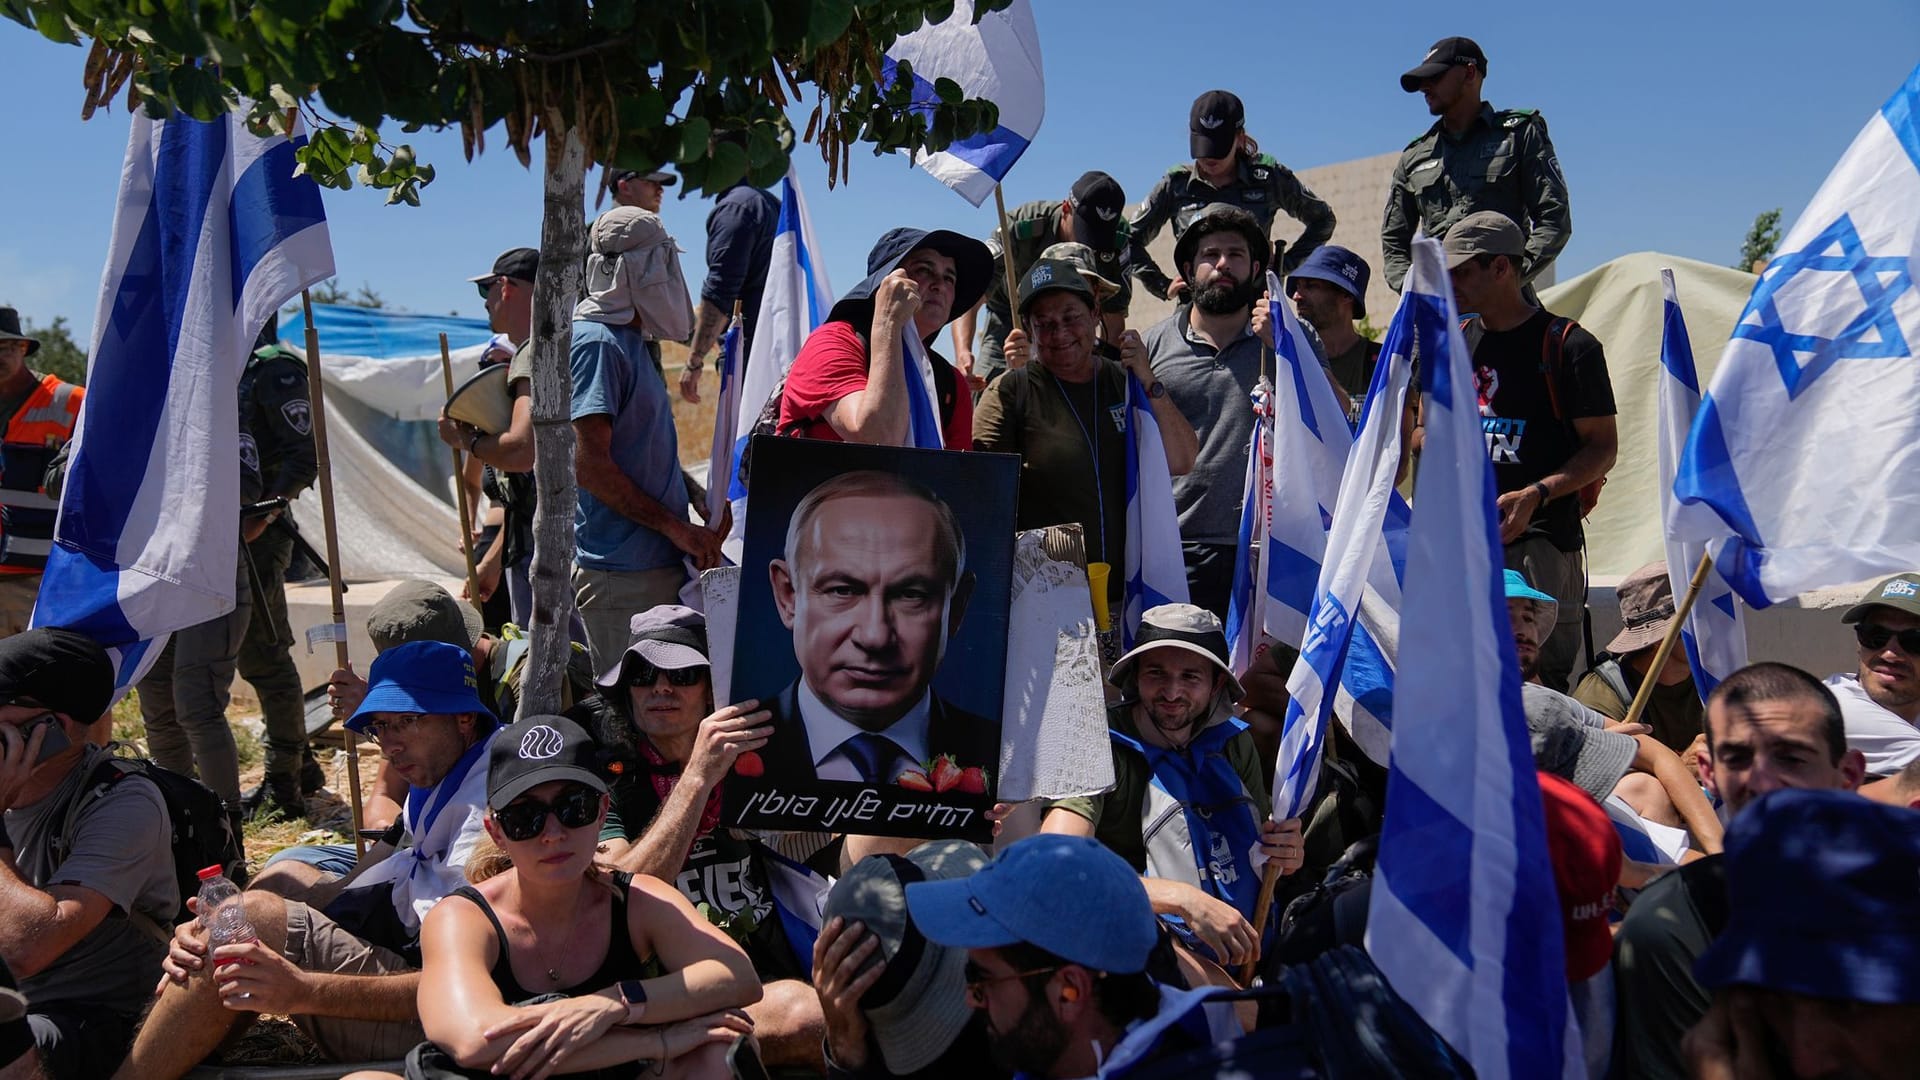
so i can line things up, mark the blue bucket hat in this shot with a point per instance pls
(1068, 895)
(420, 677)
(1825, 891)
(972, 269)
(1333, 263)
(1518, 589)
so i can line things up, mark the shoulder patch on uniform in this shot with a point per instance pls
(1267, 159)
(299, 414)
(1513, 118)
(1178, 170)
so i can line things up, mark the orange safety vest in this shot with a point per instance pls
(37, 431)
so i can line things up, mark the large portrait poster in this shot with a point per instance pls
(873, 623)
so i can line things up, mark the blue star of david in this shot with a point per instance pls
(1874, 334)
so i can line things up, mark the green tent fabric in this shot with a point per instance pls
(1620, 303)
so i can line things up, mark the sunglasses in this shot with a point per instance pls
(485, 285)
(577, 806)
(645, 675)
(1873, 636)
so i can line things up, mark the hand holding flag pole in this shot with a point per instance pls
(1674, 628)
(459, 485)
(318, 407)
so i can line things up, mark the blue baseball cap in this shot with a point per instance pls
(1825, 899)
(1331, 262)
(1068, 895)
(421, 677)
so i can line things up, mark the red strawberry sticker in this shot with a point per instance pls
(913, 780)
(749, 764)
(973, 781)
(945, 773)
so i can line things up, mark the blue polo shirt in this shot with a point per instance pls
(613, 376)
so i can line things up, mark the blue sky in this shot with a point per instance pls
(1675, 122)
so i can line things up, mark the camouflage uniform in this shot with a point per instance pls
(277, 416)
(1036, 227)
(1503, 162)
(1264, 188)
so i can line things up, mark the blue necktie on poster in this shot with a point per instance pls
(1715, 635)
(1156, 566)
(996, 59)
(1807, 446)
(212, 233)
(797, 300)
(1464, 918)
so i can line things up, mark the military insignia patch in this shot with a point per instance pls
(299, 415)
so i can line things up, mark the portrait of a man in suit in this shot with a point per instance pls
(873, 583)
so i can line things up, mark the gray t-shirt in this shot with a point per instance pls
(123, 850)
(613, 376)
(1213, 390)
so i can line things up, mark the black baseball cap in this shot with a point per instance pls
(1097, 204)
(1214, 124)
(537, 750)
(61, 670)
(520, 264)
(1445, 53)
(664, 179)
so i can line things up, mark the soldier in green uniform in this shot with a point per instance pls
(1473, 158)
(1091, 214)
(277, 416)
(1227, 167)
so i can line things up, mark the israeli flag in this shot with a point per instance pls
(726, 421)
(1807, 447)
(1246, 604)
(212, 233)
(797, 299)
(923, 415)
(1156, 568)
(996, 59)
(1715, 634)
(1337, 544)
(1464, 919)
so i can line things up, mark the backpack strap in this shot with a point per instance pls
(1615, 681)
(108, 772)
(1553, 356)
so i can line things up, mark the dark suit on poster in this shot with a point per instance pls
(971, 739)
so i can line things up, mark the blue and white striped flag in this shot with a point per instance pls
(1156, 568)
(922, 414)
(797, 300)
(997, 59)
(1246, 604)
(1716, 632)
(1338, 527)
(1807, 446)
(1464, 919)
(726, 421)
(212, 233)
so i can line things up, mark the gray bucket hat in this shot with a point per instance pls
(1180, 626)
(1571, 742)
(919, 1006)
(667, 636)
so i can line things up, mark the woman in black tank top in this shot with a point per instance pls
(554, 964)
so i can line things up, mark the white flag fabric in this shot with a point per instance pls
(726, 421)
(923, 418)
(997, 59)
(1715, 635)
(1156, 566)
(1246, 600)
(796, 301)
(1807, 447)
(211, 234)
(1334, 587)
(1464, 917)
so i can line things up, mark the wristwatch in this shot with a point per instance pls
(473, 440)
(1157, 390)
(634, 993)
(1545, 495)
(697, 363)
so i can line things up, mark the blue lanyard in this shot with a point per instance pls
(1093, 450)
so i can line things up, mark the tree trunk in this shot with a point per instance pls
(563, 233)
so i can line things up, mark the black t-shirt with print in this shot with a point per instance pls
(1524, 439)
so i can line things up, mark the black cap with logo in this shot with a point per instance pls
(1097, 206)
(1214, 124)
(536, 750)
(1445, 53)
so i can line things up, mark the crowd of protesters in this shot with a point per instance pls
(1739, 876)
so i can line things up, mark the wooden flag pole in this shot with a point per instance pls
(1262, 908)
(317, 405)
(460, 487)
(1645, 694)
(1006, 258)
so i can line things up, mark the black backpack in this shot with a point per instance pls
(202, 833)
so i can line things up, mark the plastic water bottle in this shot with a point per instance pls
(221, 911)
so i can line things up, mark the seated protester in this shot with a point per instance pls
(341, 958)
(1058, 932)
(1066, 416)
(1178, 747)
(894, 1001)
(556, 965)
(849, 382)
(85, 905)
(1585, 851)
(1769, 726)
(665, 820)
(1818, 971)
(1881, 699)
(1673, 711)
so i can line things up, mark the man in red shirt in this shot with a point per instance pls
(849, 383)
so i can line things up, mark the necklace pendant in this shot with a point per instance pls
(553, 974)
